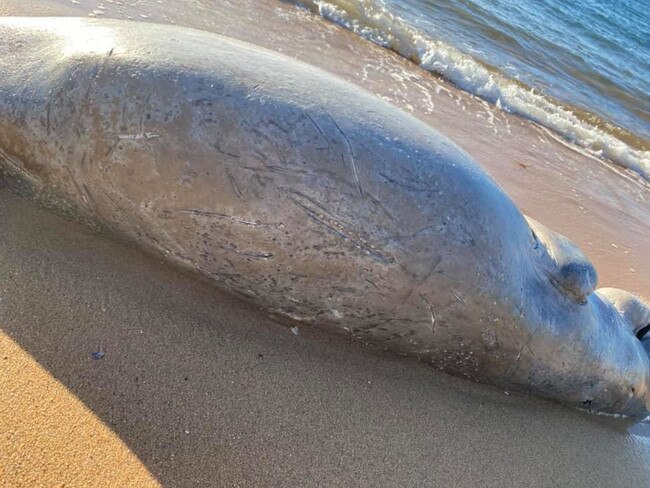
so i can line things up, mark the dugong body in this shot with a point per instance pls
(313, 198)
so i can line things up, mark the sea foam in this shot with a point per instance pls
(373, 21)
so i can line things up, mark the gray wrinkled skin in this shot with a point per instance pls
(312, 197)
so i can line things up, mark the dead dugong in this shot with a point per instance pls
(312, 197)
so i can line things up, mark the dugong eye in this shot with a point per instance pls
(640, 334)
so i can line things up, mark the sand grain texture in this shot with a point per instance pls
(49, 438)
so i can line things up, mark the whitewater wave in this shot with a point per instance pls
(374, 22)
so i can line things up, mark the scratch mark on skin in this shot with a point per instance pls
(457, 296)
(114, 203)
(124, 126)
(278, 126)
(141, 229)
(20, 110)
(366, 328)
(97, 71)
(433, 267)
(231, 178)
(383, 208)
(431, 313)
(250, 254)
(47, 118)
(519, 353)
(280, 169)
(143, 136)
(324, 218)
(232, 218)
(353, 164)
(406, 185)
(90, 197)
(397, 335)
(112, 147)
(529, 348)
(403, 237)
(117, 207)
(217, 146)
(315, 124)
(13, 163)
(76, 185)
(84, 161)
(373, 284)
(141, 122)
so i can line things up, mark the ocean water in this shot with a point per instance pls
(580, 68)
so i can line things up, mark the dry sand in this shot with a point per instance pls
(206, 391)
(48, 437)
(264, 407)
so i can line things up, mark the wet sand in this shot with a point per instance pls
(262, 406)
(197, 388)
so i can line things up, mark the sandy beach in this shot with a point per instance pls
(197, 388)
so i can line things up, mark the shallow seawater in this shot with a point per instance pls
(577, 68)
(641, 430)
(593, 54)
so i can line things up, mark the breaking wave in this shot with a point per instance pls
(373, 21)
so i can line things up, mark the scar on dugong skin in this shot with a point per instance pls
(315, 199)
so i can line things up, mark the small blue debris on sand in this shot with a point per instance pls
(97, 354)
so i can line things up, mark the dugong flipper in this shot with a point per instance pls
(315, 199)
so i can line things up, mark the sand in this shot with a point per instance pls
(49, 437)
(197, 388)
(200, 389)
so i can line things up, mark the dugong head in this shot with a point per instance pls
(587, 346)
